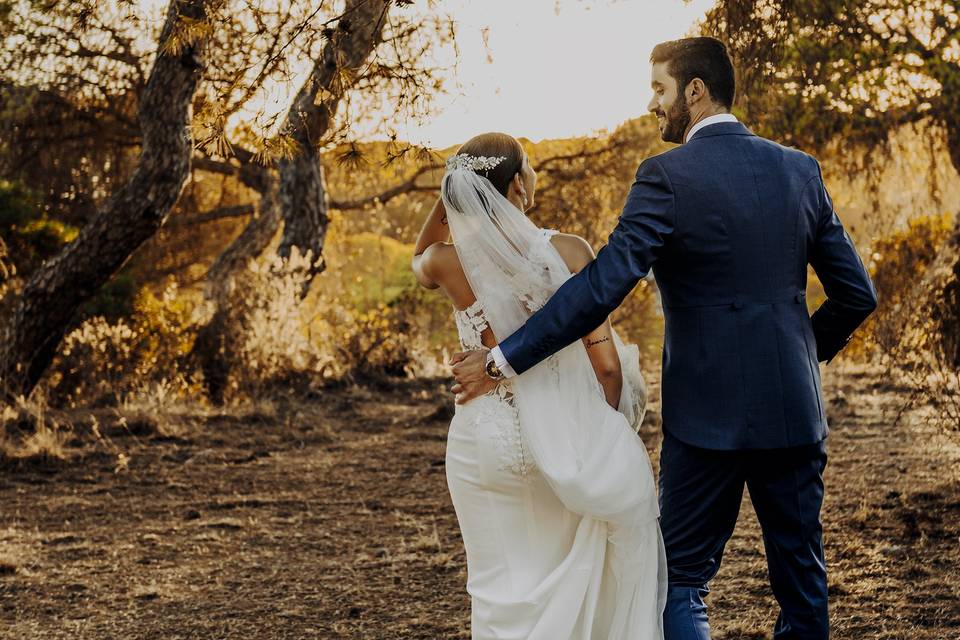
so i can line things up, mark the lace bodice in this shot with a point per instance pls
(470, 326)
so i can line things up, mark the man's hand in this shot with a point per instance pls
(469, 369)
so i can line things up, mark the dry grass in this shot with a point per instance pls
(328, 517)
(30, 437)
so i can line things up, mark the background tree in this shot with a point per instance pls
(73, 85)
(72, 88)
(364, 55)
(129, 216)
(814, 73)
(846, 77)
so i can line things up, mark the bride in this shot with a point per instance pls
(552, 487)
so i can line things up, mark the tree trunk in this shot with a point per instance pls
(300, 199)
(214, 349)
(950, 321)
(249, 245)
(128, 217)
(303, 197)
(303, 192)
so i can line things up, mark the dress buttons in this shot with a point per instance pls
(799, 297)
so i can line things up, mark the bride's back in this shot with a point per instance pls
(442, 264)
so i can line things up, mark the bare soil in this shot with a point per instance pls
(327, 516)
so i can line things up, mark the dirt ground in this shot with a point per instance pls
(328, 516)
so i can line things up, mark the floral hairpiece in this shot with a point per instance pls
(473, 163)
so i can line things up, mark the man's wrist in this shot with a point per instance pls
(502, 363)
(491, 368)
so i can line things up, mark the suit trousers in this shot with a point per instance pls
(700, 495)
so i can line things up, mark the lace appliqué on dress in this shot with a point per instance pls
(505, 415)
(470, 326)
(502, 410)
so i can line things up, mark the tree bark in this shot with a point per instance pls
(249, 245)
(303, 194)
(129, 217)
(214, 349)
(950, 321)
(950, 311)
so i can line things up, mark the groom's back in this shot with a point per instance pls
(740, 365)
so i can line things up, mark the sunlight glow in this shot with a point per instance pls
(545, 69)
(534, 68)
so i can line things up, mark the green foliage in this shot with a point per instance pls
(381, 341)
(376, 268)
(116, 299)
(30, 235)
(371, 315)
(17, 208)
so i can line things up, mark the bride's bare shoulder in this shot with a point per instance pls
(439, 252)
(575, 251)
(439, 261)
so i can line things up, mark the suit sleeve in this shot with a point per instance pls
(586, 299)
(851, 296)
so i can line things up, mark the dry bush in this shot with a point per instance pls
(271, 336)
(268, 336)
(915, 330)
(900, 265)
(271, 341)
(103, 363)
(384, 340)
(927, 351)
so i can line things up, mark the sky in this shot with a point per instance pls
(547, 69)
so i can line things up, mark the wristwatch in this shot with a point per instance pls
(493, 371)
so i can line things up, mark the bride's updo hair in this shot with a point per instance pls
(496, 145)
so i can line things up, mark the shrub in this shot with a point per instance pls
(104, 362)
(29, 436)
(900, 265)
(916, 328)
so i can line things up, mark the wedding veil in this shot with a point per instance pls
(588, 452)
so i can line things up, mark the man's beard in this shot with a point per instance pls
(678, 118)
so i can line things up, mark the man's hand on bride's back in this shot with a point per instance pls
(469, 370)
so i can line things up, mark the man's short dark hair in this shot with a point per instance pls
(704, 58)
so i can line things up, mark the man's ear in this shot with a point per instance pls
(696, 90)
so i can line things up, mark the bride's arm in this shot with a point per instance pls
(606, 362)
(434, 230)
(602, 351)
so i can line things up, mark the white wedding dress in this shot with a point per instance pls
(552, 487)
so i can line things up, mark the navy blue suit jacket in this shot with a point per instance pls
(728, 222)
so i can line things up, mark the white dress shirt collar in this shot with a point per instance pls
(706, 122)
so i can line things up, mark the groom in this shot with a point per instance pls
(728, 221)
